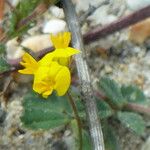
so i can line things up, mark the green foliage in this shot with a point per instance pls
(112, 91)
(86, 141)
(120, 96)
(86, 144)
(40, 113)
(56, 111)
(132, 121)
(4, 66)
(110, 140)
(133, 94)
(2, 48)
(104, 109)
(23, 9)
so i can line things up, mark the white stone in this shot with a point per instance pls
(38, 42)
(54, 26)
(11, 47)
(35, 43)
(100, 16)
(57, 12)
(83, 5)
(14, 2)
(137, 4)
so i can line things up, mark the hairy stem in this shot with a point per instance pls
(77, 119)
(138, 108)
(101, 32)
(129, 106)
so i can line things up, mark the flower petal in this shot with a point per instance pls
(62, 81)
(47, 59)
(67, 52)
(61, 40)
(29, 63)
(44, 79)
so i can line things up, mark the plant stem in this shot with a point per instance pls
(137, 108)
(77, 119)
(129, 106)
(7, 72)
(2, 3)
(96, 134)
(101, 32)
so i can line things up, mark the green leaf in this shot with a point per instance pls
(110, 138)
(4, 66)
(86, 144)
(132, 121)
(134, 94)
(23, 9)
(40, 113)
(75, 92)
(2, 48)
(112, 91)
(104, 110)
(86, 141)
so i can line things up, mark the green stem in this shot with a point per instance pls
(71, 101)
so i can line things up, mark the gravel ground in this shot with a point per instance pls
(115, 56)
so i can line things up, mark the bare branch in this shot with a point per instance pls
(138, 108)
(101, 32)
(129, 106)
(85, 81)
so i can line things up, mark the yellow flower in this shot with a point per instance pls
(51, 72)
(49, 78)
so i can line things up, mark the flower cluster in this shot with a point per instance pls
(51, 72)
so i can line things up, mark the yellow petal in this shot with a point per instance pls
(29, 63)
(62, 81)
(67, 52)
(47, 59)
(64, 61)
(61, 40)
(44, 79)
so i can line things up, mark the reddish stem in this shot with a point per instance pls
(101, 32)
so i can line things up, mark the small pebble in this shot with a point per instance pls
(57, 12)
(137, 4)
(34, 43)
(54, 26)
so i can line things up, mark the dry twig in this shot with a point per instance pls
(101, 32)
(2, 3)
(84, 77)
